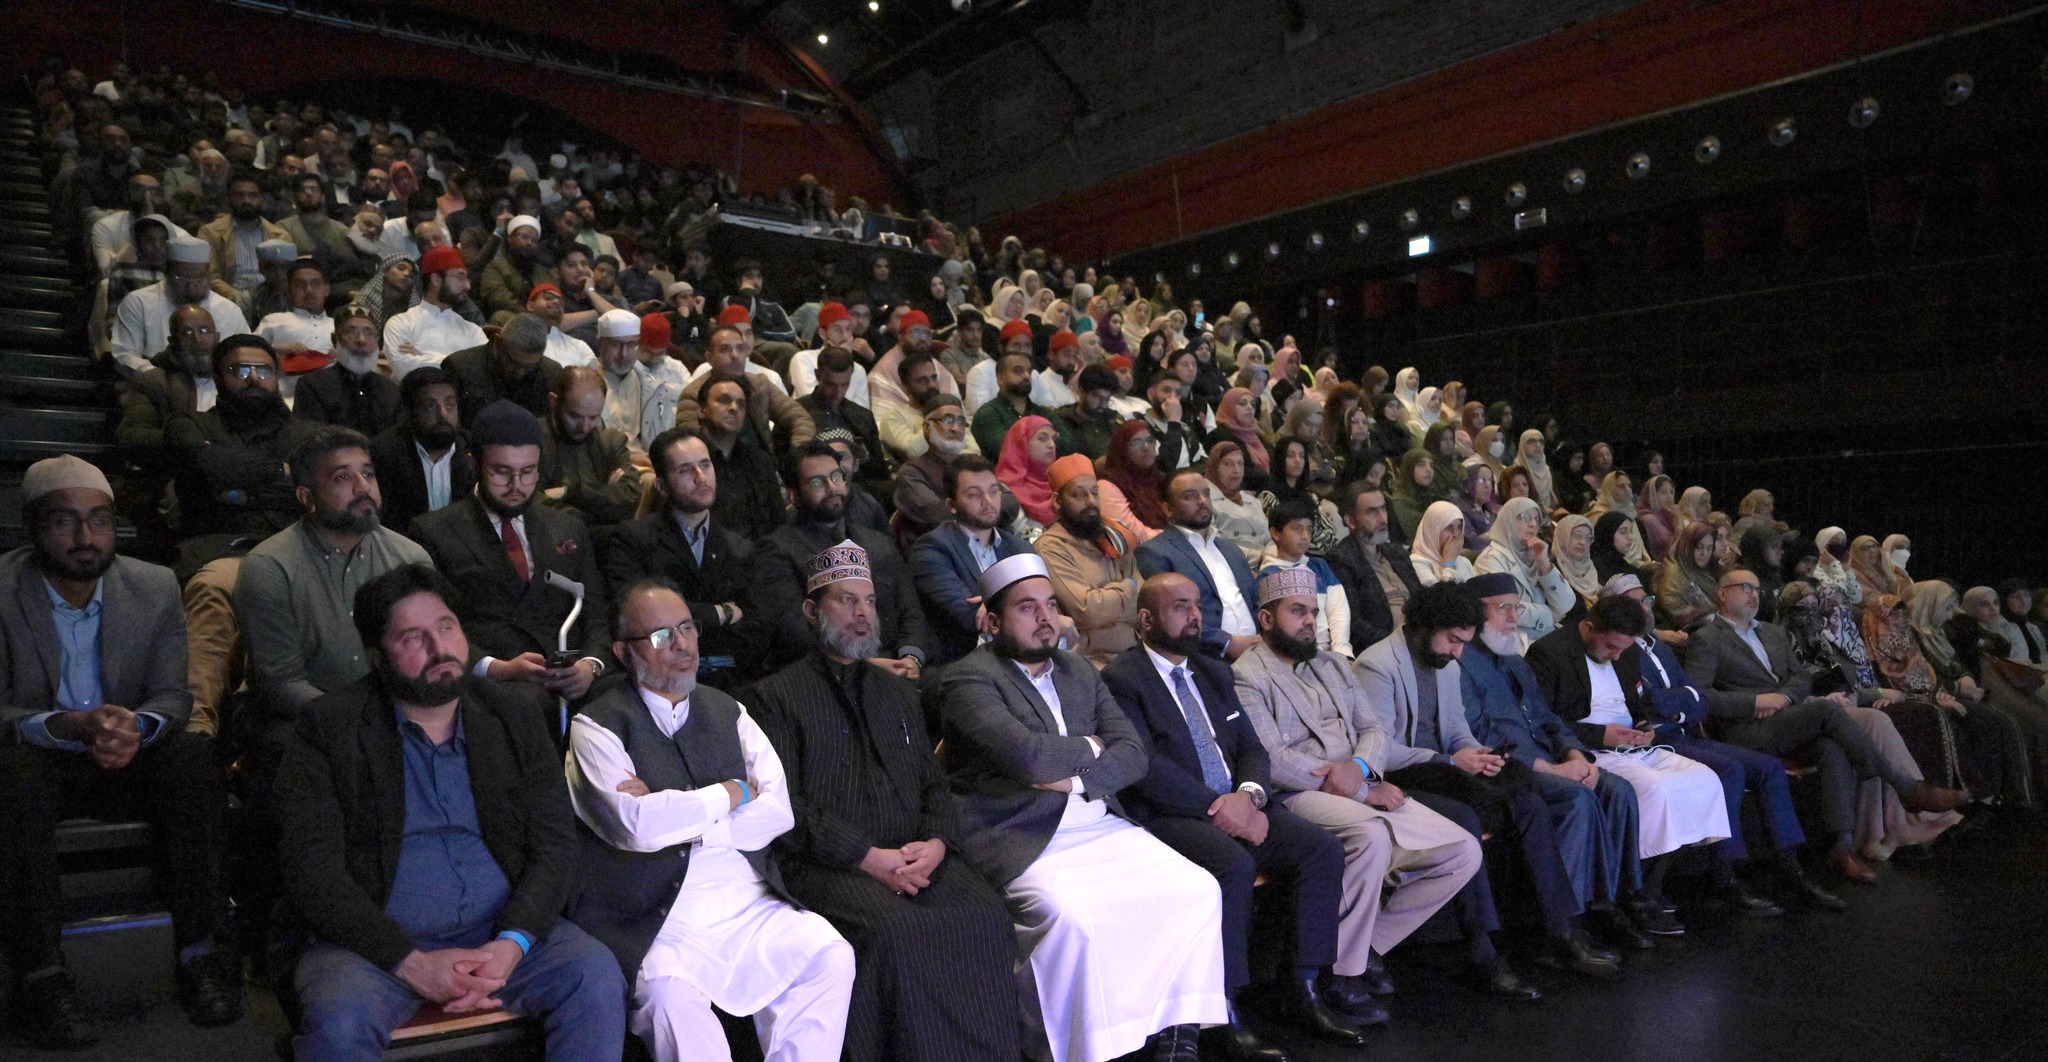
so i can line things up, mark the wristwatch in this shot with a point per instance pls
(1258, 794)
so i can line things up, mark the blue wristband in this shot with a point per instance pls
(746, 792)
(1360, 761)
(518, 938)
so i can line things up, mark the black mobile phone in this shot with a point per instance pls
(563, 658)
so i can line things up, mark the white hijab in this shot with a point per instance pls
(1429, 533)
(1406, 387)
(1829, 569)
(1538, 466)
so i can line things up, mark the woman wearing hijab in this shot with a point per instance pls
(1490, 449)
(1438, 546)
(1426, 416)
(1502, 416)
(1305, 421)
(1571, 548)
(1657, 516)
(1758, 507)
(2015, 603)
(1828, 566)
(1029, 448)
(1475, 498)
(1688, 581)
(1472, 418)
(1389, 430)
(1238, 514)
(1693, 506)
(1452, 400)
(1137, 321)
(1931, 611)
(1129, 482)
(1616, 497)
(1761, 550)
(1882, 824)
(1410, 494)
(1210, 381)
(1599, 462)
(1977, 747)
(1895, 551)
(1866, 564)
(1408, 388)
(1515, 546)
(1530, 454)
(394, 290)
(2022, 641)
(1237, 422)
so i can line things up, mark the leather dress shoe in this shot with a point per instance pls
(210, 989)
(1807, 894)
(1851, 866)
(1575, 952)
(48, 1012)
(1236, 1042)
(1740, 900)
(1495, 978)
(1301, 1007)
(1352, 999)
(1926, 797)
(1375, 977)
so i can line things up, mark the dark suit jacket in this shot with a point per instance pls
(1001, 739)
(333, 395)
(946, 578)
(403, 483)
(479, 382)
(815, 731)
(1173, 779)
(212, 459)
(503, 616)
(1372, 618)
(1725, 669)
(856, 418)
(750, 497)
(782, 572)
(142, 642)
(340, 797)
(148, 402)
(1523, 727)
(1559, 661)
(1170, 551)
(654, 546)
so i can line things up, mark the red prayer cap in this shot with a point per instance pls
(735, 314)
(538, 288)
(654, 331)
(1016, 328)
(831, 314)
(1121, 361)
(440, 260)
(911, 320)
(1060, 340)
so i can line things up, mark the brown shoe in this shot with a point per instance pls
(1851, 866)
(1925, 797)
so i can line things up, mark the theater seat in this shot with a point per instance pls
(496, 1034)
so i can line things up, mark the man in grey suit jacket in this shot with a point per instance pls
(1123, 935)
(1761, 698)
(93, 705)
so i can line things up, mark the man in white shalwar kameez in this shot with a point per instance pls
(1122, 935)
(683, 794)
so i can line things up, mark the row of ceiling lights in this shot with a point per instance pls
(1862, 115)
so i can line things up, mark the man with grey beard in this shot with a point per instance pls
(350, 392)
(932, 940)
(920, 482)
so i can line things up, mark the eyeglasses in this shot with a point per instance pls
(66, 522)
(505, 477)
(1747, 588)
(1149, 441)
(950, 420)
(835, 477)
(663, 637)
(260, 372)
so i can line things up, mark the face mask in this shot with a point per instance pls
(1494, 449)
(1899, 557)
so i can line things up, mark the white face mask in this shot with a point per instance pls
(1494, 449)
(1899, 557)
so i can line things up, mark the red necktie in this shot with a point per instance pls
(515, 549)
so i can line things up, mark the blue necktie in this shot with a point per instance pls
(1214, 774)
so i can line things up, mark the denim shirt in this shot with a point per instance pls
(448, 888)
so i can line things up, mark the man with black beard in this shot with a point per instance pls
(749, 497)
(901, 421)
(500, 547)
(586, 467)
(950, 558)
(234, 237)
(1092, 562)
(423, 462)
(93, 706)
(1376, 573)
(350, 392)
(872, 846)
(428, 844)
(1012, 403)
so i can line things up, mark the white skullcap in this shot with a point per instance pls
(190, 249)
(558, 161)
(1620, 585)
(525, 221)
(678, 288)
(997, 577)
(62, 473)
(618, 324)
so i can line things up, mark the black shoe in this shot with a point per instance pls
(1236, 1043)
(1740, 900)
(1651, 917)
(1352, 999)
(48, 1012)
(1805, 893)
(1575, 952)
(210, 989)
(1177, 1043)
(1375, 977)
(1493, 977)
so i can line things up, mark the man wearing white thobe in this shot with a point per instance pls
(1122, 935)
(683, 794)
(142, 321)
(432, 330)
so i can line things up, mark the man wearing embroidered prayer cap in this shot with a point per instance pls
(682, 794)
(875, 847)
(1123, 935)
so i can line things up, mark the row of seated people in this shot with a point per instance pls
(429, 854)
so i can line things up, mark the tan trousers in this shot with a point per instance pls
(215, 639)
(1389, 891)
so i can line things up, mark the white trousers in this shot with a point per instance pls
(1679, 800)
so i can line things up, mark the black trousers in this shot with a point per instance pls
(1472, 908)
(1508, 806)
(172, 785)
(1820, 729)
(1297, 856)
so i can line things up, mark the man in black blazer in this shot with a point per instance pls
(685, 543)
(350, 392)
(830, 408)
(429, 433)
(1205, 793)
(1364, 560)
(1761, 698)
(428, 845)
(499, 548)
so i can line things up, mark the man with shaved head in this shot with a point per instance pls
(586, 466)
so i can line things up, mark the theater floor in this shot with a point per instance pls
(1939, 961)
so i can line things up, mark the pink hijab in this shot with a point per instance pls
(1024, 476)
(1246, 432)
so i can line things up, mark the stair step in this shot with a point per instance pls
(33, 363)
(32, 318)
(43, 339)
(42, 423)
(96, 835)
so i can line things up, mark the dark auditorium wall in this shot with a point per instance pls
(272, 54)
(1642, 60)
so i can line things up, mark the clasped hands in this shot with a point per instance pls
(112, 734)
(907, 870)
